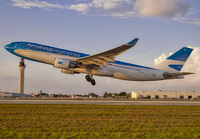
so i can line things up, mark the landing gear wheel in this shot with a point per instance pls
(87, 77)
(21, 63)
(93, 82)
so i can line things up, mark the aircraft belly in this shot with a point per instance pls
(97, 72)
(124, 74)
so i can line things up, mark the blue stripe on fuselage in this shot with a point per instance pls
(43, 48)
(48, 49)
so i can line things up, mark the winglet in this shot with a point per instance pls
(133, 42)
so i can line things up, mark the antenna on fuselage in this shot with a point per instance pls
(22, 67)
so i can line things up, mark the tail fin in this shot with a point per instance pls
(176, 61)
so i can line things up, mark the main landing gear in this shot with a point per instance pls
(90, 79)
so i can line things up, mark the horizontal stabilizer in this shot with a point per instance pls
(175, 75)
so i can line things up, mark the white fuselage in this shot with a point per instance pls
(119, 71)
(102, 64)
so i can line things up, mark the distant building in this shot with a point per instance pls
(75, 96)
(12, 95)
(159, 94)
(120, 97)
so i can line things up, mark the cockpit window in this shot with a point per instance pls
(12, 43)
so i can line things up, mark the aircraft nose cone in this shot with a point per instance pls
(9, 47)
(6, 46)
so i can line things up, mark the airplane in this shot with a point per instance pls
(102, 64)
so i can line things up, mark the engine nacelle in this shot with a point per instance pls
(63, 63)
(69, 71)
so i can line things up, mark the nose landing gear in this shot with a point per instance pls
(90, 79)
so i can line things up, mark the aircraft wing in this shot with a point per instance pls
(175, 75)
(104, 57)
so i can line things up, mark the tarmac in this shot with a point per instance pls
(102, 102)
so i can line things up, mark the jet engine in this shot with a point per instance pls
(63, 63)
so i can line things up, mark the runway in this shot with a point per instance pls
(101, 102)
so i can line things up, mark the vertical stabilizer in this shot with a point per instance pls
(176, 61)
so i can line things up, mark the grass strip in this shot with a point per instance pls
(98, 121)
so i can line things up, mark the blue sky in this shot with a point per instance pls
(92, 26)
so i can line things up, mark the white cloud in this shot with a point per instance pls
(176, 10)
(84, 8)
(130, 8)
(187, 20)
(110, 4)
(36, 3)
(161, 58)
(193, 63)
(118, 8)
(161, 8)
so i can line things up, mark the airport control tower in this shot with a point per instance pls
(22, 67)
